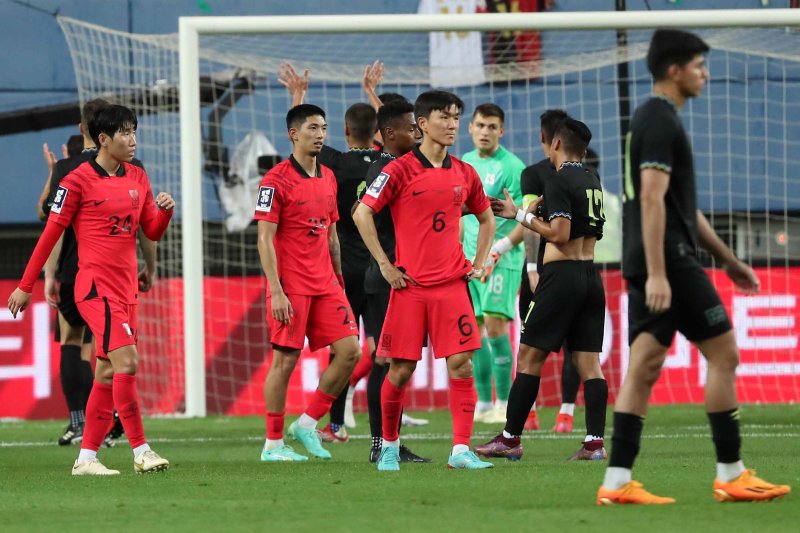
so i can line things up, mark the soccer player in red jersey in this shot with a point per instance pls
(425, 190)
(106, 199)
(299, 251)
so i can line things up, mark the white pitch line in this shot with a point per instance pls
(418, 437)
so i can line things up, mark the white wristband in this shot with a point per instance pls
(502, 246)
(531, 267)
(520, 215)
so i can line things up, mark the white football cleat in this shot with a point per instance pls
(92, 467)
(148, 462)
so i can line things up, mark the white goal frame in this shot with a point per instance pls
(190, 29)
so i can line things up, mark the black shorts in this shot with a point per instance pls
(569, 305)
(375, 313)
(68, 309)
(354, 290)
(696, 310)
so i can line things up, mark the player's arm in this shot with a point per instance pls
(50, 282)
(21, 296)
(156, 214)
(281, 308)
(364, 218)
(654, 185)
(740, 273)
(373, 76)
(555, 231)
(148, 271)
(294, 83)
(486, 229)
(336, 252)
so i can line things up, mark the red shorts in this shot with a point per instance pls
(113, 323)
(443, 313)
(323, 318)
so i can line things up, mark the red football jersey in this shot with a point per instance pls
(303, 207)
(425, 203)
(106, 212)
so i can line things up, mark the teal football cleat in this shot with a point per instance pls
(281, 454)
(389, 459)
(309, 438)
(468, 461)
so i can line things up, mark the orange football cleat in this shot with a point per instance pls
(748, 488)
(532, 422)
(632, 492)
(563, 423)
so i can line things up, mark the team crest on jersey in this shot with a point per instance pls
(458, 195)
(134, 198)
(264, 202)
(377, 186)
(58, 201)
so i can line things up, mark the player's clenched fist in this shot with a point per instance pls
(18, 301)
(165, 201)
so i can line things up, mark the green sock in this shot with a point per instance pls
(482, 370)
(501, 365)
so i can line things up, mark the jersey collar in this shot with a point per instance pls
(576, 164)
(300, 170)
(447, 163)
(667, 99)
(102, 172)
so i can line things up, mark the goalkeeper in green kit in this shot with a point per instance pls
(494, 296)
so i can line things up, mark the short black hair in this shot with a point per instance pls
(297, 115)
(90, 108)
(672, 47)
(436, 100)
(548, 122)
(385, 98)
(490, 110)
(591, 159)
(362, 121)
(391, 112)
(74, 145)
(111, 119)
(574, 134)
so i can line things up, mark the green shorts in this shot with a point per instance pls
(498, 296)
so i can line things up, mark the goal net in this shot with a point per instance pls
(212, 353)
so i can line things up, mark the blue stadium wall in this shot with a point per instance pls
(37, 70)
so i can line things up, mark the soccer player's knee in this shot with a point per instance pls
(725, 360)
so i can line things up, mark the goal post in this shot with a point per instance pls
(203, 332)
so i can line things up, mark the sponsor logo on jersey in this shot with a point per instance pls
(377, 186)
(264, 202)
(58, 201)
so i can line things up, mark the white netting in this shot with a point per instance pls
(745, 131)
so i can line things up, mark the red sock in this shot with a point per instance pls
(275, 425)
(462, 408)
(99, 413)
(391, 409)
(126, 400)
(362, 369)
(320, 404)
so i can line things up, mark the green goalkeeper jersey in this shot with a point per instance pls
(500, 171)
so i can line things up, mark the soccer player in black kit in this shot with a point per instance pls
(568, 304)
(668, 290)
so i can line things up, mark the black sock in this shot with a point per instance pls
(626, 439)
(71, 379)
(374, 384)
(337, 408)
(595, 394)
(570, 380)
(725, 432)
(87, 379)
(520, 400)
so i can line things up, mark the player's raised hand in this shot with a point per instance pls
(49, 157)
(505, 208)
(64, 151)
(396, 277)
(297, 86)
(373, 76)
(743, 276)
(18, 301)
(658, 294)
(165, 201)
(281, 307)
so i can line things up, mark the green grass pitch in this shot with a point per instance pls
(217, 482)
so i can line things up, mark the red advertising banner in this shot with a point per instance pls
(237, 358)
